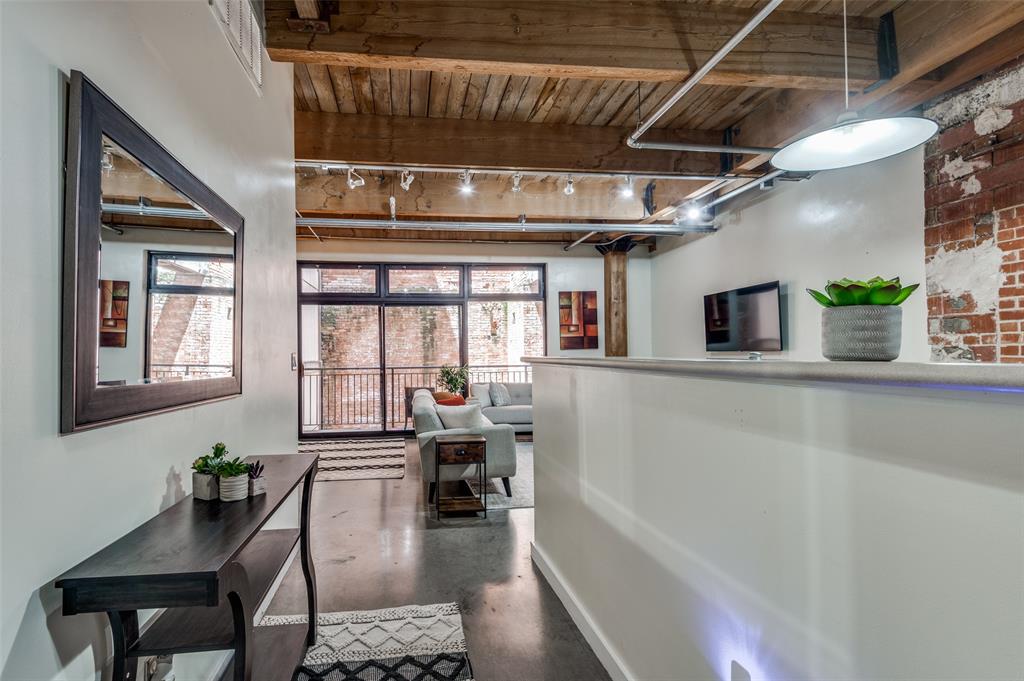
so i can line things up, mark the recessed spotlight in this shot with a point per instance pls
(569, 187)
(516, 179)
(626, 190)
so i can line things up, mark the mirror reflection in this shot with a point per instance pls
(166, 288)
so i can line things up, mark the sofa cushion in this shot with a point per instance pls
(468, 416)
(499, 395)
(521, 393)
(515, 413)
(424, 413)
(453, 401)
(481, 391)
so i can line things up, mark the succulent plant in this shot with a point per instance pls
(453, 378)
(874, 291)
(233, 468)
(256, 470)
(207, 465)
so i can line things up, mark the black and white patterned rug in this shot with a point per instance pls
(412, 643)
(357, 459)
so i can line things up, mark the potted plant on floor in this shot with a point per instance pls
(205, 474)
(862, 320)
(234, 480)
(257, 483)
(451, 380)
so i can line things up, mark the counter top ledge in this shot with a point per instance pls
(995, 378)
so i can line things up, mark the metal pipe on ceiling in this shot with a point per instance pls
(588, 228)
(698, 75)
(576, 243)
(397, 167)
(154, 211)
(733, 193)
(700, 148)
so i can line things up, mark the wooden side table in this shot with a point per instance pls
(461, 450)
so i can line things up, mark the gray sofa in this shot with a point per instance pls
(501, 445)
(519, 414)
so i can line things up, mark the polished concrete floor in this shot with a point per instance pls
(375, 546)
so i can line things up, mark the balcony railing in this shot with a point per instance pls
(188, 371)
(351, 398)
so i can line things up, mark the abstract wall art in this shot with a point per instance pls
(577, 320)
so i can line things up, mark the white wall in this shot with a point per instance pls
(804, 531)
(580, 269)
(855, 223)
(169, 66)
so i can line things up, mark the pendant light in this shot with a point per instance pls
(854, 140)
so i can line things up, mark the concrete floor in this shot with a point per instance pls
(374, 546)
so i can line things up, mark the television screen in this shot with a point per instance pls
(744, 319)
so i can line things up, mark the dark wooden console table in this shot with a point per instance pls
(209, 564)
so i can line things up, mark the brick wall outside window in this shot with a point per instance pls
(974, 221)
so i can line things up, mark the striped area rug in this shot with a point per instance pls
(357, 459)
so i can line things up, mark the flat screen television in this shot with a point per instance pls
(744, 319)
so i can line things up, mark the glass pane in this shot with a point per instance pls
(188, 270)
(190, 336)
(500, 334)
(489, 280)
(411, 279)
(144, 216)
(418, 340)
(354, 279)
(340, 368)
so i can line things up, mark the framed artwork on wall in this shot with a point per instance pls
(577, 320)
(113, 313)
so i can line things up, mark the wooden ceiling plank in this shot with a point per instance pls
(492, 96)
(306, 83)
(475, 95)
(301, 104)
(626, 115)
(380, 82)
(510, 100)
(597, 103)
(419, 93)
(559, 110)
(400, 92)
(323, 86)
(528, 102)
(363, 89)
(343, 92)
(308, 9)
(547, 98)
(457, 94)
(503, 144)
(622, 102)
(585, 39)
(440, 83)
(583, 99)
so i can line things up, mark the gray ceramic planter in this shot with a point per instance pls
(864, 333)
(205, 486)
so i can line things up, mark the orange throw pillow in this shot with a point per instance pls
(456, 401)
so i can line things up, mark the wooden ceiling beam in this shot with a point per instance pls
(329, 137)
(437, 196)
(646, 41)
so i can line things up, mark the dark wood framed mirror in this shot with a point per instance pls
(152, 310)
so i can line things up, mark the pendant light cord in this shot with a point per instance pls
(846, 62)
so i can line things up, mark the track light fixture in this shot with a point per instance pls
(406, 181)
(355, 179)
(693, 212)
(626, 190)
(516, 179)
(467, 182)
(569, 188)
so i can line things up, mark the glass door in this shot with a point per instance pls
(418, 341)
(341, 370)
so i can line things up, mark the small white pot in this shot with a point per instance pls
(234, 489)
(257, 486)
(205, 487)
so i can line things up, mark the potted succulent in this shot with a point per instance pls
(205, 473)
(257, 483)
(862, 320)
(234, 480)
(452, 380)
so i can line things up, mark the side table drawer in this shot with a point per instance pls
(461, 453)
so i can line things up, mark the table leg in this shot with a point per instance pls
(124, 626)
(241, 615)
(306, 556)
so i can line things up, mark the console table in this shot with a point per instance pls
(209, 563)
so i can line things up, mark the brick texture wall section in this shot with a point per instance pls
(974, 221)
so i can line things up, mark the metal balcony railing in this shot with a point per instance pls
(183, 371)
(351, 399)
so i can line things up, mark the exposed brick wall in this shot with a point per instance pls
(974, 221)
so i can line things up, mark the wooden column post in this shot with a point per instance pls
(616, 330)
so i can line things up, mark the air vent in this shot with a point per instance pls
(242, 22)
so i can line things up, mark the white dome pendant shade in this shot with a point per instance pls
(853, 141)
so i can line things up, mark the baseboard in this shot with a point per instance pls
(603, 648)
